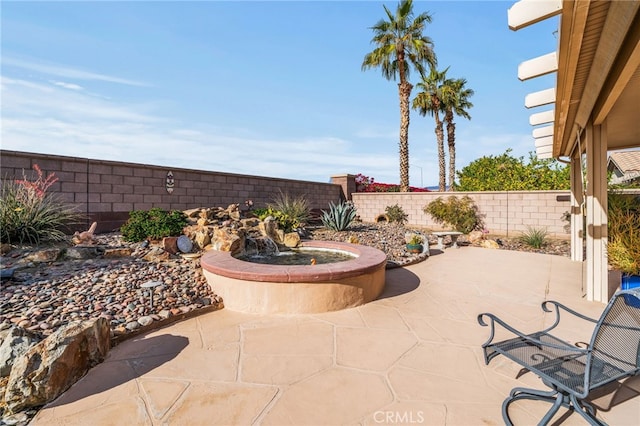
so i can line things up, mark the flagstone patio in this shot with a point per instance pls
(410, 357)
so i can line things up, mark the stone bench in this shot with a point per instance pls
(454, 238)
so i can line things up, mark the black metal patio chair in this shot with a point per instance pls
(572, 372)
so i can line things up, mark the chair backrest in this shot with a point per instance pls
(616, 340)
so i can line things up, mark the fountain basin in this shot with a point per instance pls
(297, 289)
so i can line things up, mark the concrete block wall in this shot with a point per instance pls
(106, 191)
(504, 213)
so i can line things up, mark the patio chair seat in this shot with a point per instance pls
(570, 371)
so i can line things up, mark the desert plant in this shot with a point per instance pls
(285, 222)
(29, 214)
(623, 248)
(295, 209)
(154, 224)
(459, 213)
(415, 240)
(395, 213)
(534, 237)
(339, 216)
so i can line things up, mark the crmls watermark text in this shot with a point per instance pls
(398, 417)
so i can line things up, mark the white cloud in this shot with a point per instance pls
(50, 119)
(67, 72)
(69, 86)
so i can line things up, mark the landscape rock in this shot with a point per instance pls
(490, 244)
(269, 228)
(170, 244)
(292, 239)
(14, 342)
(6, 273)
(227, 240)
(117, 252)
(50, 367)
(83, 252)
(202, 239)
(45, 255)
(475, 237)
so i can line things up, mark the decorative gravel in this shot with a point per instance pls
(43, 296)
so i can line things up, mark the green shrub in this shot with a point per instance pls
(339, 216)
(396, 214)
(285, 222)
(294, 209)
(28, 214)
(154, 224)
(534, 237)
(459, 213)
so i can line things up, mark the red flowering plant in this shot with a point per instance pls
(29, 214)
(39, 186)
(367, 184)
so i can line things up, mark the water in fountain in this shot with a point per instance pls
(300, 257)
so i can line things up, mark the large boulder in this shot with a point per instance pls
(227, 240)
(14, 342)
(50, 367)
(269, 228)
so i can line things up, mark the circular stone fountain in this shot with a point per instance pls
(296, 289)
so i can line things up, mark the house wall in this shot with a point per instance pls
(106, 191)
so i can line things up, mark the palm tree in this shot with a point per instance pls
(456, 101)
(430, 101)
(401, 44)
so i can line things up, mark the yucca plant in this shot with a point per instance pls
(534, 237)
(339, 216)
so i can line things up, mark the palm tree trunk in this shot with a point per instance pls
(451, 140)
(404, 90)
(442, 184)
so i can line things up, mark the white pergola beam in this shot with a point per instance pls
(542, 117)
(542, 132)
(545, 141)
(536, 67)
(543, 97)
(547, 149)
(529, 12)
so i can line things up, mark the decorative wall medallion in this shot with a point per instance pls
(170, 182)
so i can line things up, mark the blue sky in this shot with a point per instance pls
(269, 88)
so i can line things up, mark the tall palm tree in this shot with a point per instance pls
(400, 45)
(430, 101)
(456, 101)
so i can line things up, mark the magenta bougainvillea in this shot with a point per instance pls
(368, 184)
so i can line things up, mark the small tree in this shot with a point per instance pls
(507, 173)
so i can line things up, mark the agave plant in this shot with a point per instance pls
(339, 216)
